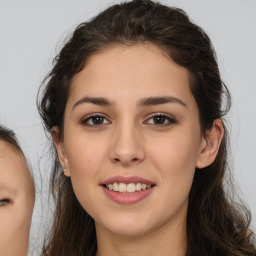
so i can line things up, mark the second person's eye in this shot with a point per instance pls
(4, 202)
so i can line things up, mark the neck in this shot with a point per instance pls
(163, 241)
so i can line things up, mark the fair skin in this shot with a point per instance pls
(146, 125)
(16, 201)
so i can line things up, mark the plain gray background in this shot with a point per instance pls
(32, 32)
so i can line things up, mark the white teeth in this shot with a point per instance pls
(143, 186)
(115, 187)
(130, 187)
(127, 188)
(138, 187)
(122, 187)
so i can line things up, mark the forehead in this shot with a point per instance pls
(141, 68)
(8, 153)
(13, 167)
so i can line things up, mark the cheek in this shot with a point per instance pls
(176, 150)
(176, 159)
(84, 155)
(175, 163)
(15, 219)
(86, 158)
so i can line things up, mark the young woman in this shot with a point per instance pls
(134, 104)
(17, 195)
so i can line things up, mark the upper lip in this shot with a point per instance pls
(127, 180)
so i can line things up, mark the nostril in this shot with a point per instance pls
(135, 159)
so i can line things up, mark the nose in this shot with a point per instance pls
(127, 146)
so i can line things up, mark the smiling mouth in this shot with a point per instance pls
(127, 188)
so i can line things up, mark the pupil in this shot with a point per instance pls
(97, 120)
(4, 202)
(159, 119)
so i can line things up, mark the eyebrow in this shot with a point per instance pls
(12, 191)
(141, 103)
(160, 100)
(93, 100)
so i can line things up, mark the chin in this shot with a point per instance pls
(127, 226)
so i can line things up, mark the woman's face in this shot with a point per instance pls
(16, 201)
(131, 122)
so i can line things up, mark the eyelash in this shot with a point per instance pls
(170, 120)
(167, 118)
(4, 202)
(87, 119)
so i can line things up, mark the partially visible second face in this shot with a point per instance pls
(131, 121)
(16, 201)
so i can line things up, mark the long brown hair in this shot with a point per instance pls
(215, 224)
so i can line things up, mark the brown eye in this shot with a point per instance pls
(95, 120)
(4, 202)
(161, 120)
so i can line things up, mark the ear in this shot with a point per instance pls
(60, 148)
(210, 145)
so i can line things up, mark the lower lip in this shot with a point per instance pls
(127, 198)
